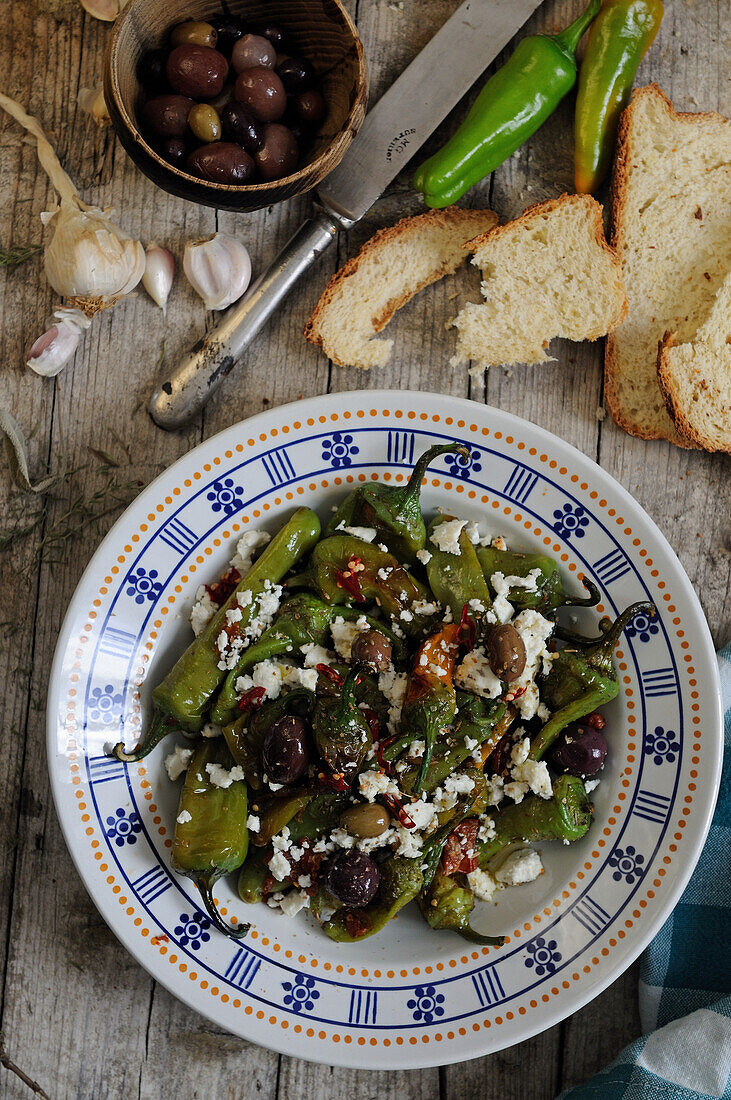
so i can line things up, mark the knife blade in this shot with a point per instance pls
(392, 132)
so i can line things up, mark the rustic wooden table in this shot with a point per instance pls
(78, 1014)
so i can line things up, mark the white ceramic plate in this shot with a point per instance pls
(410, 996)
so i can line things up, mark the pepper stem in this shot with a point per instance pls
(205, 885)
(584, 601)
(468, 933)
(156, 730)
(412, 488)
(569, 39)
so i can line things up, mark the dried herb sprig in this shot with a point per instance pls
(17, 255)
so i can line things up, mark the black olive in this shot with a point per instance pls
(579, 750)
(310, 107)
(296, 74)
(240, 125)
(229, 32)
(275, 34)
(197, 71)
(174, 150)
(167, 115)
(279, 154)
(253, 52)
(353, 878)
(284, 751)
(222, 162)
(506, 652)
(151, 70)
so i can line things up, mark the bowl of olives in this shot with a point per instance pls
(236, 105)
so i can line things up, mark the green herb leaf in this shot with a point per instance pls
(13, 257)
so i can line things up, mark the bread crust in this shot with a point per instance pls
(617, 203)
(593, 209)
(452, 216)
(667, 387)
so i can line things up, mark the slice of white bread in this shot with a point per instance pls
(548, 273)
(389, 270)
(695, 378)
(671, 214)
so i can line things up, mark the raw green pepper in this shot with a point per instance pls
(211, 840)
(341, 730)
(565, 816)
(514, 102)
(245, 735)
(549, 593)
(581, 679)
(343, 568)
(302, 618)
(183, 697)
(431, 701)
(393, 510)
(456, 579)
(401, 881)
(619, 38)
(447, 904)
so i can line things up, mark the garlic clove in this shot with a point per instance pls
(52, 351)
(158, 275)
(89, 256)
(108, 10)
(218, 269)
(93, 102)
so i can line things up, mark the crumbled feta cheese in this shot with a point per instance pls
(253, 823)
(177, 762)
(268, 602)
(268, 675)
(423, 556)
(591, 785)
(202, 610)
(384, 574)
(516, 789)
(472, 531)
(243, 684)
(365, 534)
(487, 829)
(474, 674)
(459, 784)
(446, 535)
(244, 599)
(249, 542)
(521, 866)
(520, 751)
(315, 654)
(293, 902)
(183, 817)
(344, 634)
(304, 881)
(424, 607)
(482, 884)
(477, 606)
(300, 677)
(341, 838)
(422, 814)
(535, 774)
(495, 790)
(373, 783)
(499, 543)
(416, 749)
(409, 842)
(393, 686)
(281, 842)
(535, 632)
(222, 778)
(543, 712)
(234, 615)
(279, 866)
(211, 730)
(370, 843)
(271, 784)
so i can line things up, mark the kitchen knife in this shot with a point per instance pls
(393, 130)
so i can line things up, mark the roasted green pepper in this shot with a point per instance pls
(581, 679)
(431, 701)
(514, 102)
(457, 580)
(549, 593)
(565, 816)
(183, 697)
(619, 38)
(245, 735)
(341, 730)
(346, 569)
(446, 905)
(401, 881)
(211, 838)
(393, 510)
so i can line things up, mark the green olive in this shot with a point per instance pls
(368, 819)
(194, 34)
(205, 123)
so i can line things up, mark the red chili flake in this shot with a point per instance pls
(397, 808)
(337, 782)
(254, 697)
(467, 629)
(596, 721)
(382, 746)
(267, 886)
(372, 719)
(355, 923)
(347, 579)
(459, 848)
(514, 694)
(308, 864)
(331, 674)
(222, 589)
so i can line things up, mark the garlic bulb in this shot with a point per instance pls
(219, 269)
(159, 270)
(92, 101)
(108, 10)
(52, 351)
(89, 256)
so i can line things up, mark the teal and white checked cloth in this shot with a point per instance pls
(685, 980)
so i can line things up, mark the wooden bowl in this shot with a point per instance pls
(321, 30)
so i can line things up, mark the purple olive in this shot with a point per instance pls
(372, 648)
(222, 162)
(275, 34)
(166, 115)
(174, 150)
(253, 52)
(279, 154)
(151, 69)
(284, 751)
(310, 107)
(296, 74)
(197, 71)
(353, 878)
(262, 92)
(240, 125)
(579, 750)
